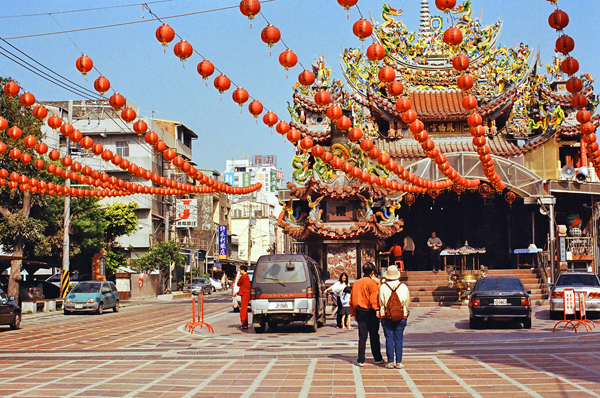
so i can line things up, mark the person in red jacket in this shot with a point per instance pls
(244, 284)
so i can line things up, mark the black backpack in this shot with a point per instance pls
(394, 309)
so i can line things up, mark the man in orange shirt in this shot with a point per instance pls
(244, 284)
(364, 304)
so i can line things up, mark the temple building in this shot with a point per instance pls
(531, 132)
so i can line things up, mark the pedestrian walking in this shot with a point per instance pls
(435, 246)
(337, 289)
(364, 304)
(244, 292)
(394, 298)
(345, 299)
(408, 250)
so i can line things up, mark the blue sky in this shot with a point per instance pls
(133, 60)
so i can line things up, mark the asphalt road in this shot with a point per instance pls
(144, 351)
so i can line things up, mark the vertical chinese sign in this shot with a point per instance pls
(222, 242)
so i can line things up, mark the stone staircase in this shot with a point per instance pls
(428, 289)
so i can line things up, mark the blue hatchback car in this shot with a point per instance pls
(92, 296)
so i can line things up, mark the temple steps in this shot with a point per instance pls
(428, 289)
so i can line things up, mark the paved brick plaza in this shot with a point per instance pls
(143, 351)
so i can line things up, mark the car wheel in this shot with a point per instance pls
(474, 323)
(315, 325)
(323, 320)
(272, 325)
(555, 315)
(100, 309)
(16, 323)
(214, 289)
(67, 312)
(236, 309)
(261, 328)
(116, 308)
(527, 323)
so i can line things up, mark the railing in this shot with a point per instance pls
(299, 248)
(580, 246)
(193, 242)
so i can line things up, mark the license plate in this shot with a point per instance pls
(280, 305)
(78, 305)
(500, 301)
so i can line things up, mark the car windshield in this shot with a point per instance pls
(577, 280)
(499, 284)
(86, 288)
(280, 271)
(199, 281)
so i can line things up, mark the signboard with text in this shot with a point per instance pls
(186, 213)
(245, 179)
(222, 241)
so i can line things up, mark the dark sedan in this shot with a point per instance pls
(10, 313)
(499, 298)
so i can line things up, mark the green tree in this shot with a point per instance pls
(159, 258)
(121, 220)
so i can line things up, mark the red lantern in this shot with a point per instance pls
(383, 159)
(97, 149)
(306, 78)
(343, 123)
(11, 89)
(355, 134)
(165, 34)
(334, 112)
(484, 189)
(570, 66)
(376, 52)
(474, 119)
(445, 5)
(240, 96)
(250, 8)
(140, 126)
(39, 112)
(38, 164)
(337, 163)
(587, 128)
(86, 142)
(564, 44)
(306, 143)
(27, 99)
(417, 126)
(106, 155)
(29, 141)
(465, 82)
(293, 135)
(317, 151)
(177, 161)
(116, 101)
(427, 145)
(409, 199)
(282, 127)
(84, 64)
(579, 101)
(453, 36)
(14, 133)
(41, 148)
(169, 154)
(479, 141)
(374, 153)
(288, 59)
(255, 108)
(128, 115)
(395, 88)
(206, 69)
(183, 50)
(386, 74)
(366, 145)
(66, 161)
(460, 62)
(589, 138)
(222, 83)
(409, 116)
(347, 4)
(469, 102)
(583, 116)
(270, 119)
(558, 20)
(14, 153)
(322, 98)
(574, 85)
(3, 149)
(327, 157)
(101, 85)
(270, 35)
(403, 104)
(66, 129)
(54, 122)
(76, 136)
(362, 29)
(477, 131)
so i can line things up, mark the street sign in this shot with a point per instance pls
(222, 242)
(569, 301)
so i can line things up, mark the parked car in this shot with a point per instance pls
(49, 290)
(92, 296)
(587, 282)
(199, 285)
(10, 312)
(287, 288)
(495, 298)
(216, 285)
(28, 291)
(235, 289)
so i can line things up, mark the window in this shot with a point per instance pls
(340, 211)
(123, 149)
(237, 213)
(258, 213)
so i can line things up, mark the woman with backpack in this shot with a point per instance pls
(393, 303)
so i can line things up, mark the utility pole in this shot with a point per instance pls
(249, 232)
(64, 280)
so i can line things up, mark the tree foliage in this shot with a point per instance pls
(121, 220)
(160, 257)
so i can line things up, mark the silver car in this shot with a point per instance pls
(587, 282)
(199, 285)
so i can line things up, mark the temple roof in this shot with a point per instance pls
(339, 188)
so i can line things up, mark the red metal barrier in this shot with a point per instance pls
(568, 309)
(200, 317)
(589, 325)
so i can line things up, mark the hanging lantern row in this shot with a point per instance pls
(453, 37)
